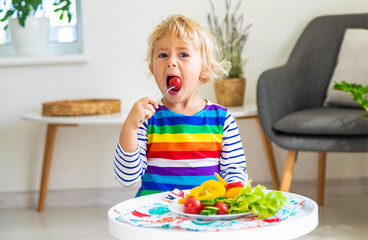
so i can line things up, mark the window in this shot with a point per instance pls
(65, 37)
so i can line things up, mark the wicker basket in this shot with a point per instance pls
(80, 107)
(230, 92)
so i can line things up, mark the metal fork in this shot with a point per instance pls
(158, 100)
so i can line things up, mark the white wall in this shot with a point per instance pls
(115, 38)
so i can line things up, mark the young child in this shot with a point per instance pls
(186, 139)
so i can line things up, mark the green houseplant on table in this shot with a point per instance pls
(30, 34)
(231, 36)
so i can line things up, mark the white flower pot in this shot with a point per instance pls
(31, 40)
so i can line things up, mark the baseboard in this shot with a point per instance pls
(109, 197)
(333, 187)
(67, 198)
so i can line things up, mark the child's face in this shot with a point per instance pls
(175, 57)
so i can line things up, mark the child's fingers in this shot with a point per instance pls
(149, 110)
(152, 102)
(149, 107)
(146, 108)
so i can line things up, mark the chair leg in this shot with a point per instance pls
(270, 156)
(288, 170)
(321, 178)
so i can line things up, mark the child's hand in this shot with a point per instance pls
(143, 109)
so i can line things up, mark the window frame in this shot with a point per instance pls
(56, 48)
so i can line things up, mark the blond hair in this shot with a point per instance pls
(183, 28)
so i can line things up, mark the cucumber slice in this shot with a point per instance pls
(207, 212)
(207, 202)
(214, 209)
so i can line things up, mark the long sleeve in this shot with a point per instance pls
(232, 159)
(179, 151)
(129, 167)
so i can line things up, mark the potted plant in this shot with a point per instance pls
(231, 35)
(30, 34)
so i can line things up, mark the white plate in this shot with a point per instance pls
(177, 208)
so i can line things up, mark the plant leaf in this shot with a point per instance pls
(8, 14)
(231, 36)
(357, 91)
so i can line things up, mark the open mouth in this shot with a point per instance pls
(173, 81)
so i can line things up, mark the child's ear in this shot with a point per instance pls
(203, 75)
(206, 71)
(150, 68)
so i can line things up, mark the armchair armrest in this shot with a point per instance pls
(280, 91)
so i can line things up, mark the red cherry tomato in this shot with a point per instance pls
(234, 184)
(222, 208)
(192, 205)
(176, 82)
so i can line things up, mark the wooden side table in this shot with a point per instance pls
(53, 123)
(249, 111)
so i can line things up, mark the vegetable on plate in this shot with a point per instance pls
(219, 197)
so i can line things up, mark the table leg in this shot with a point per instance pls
(268, 150)
(47, 160)
(270, 156)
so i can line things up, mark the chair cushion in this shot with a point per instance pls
(324, 121)
(351, 67)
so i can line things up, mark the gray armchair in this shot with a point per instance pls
(290, 99)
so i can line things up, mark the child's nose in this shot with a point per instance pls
(171, 62)
(171, 65)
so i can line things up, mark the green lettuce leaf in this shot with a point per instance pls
(257, 201)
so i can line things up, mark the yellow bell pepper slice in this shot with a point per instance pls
(233, 192)
(195, 190)
(209, 190)
(192, 192)
(182, 200)
(220, 179)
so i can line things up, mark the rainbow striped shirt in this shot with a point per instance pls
(179, 151)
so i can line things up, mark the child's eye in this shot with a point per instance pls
(183, 55)
(162, 55)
